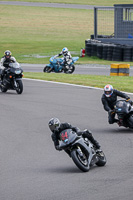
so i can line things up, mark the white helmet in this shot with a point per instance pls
(64, 51)
(108, 90)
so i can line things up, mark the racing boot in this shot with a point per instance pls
(88, 134)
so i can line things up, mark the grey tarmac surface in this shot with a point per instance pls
(30, 167)
(92, 69)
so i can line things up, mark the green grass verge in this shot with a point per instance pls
(123, 83)
(31, 31)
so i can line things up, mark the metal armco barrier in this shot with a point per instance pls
(119, 69)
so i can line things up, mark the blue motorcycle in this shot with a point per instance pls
(57, 65)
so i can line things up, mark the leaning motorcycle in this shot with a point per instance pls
(57, 65)
(124, 112)
(12, 78)
(81, 150)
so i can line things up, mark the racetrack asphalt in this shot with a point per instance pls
(92, 69)
(30, 167)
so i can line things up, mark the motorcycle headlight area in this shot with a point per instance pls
(17, 71)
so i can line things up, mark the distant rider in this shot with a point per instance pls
(67, 57)
(109, 99)
(57, 127)
(5, 60)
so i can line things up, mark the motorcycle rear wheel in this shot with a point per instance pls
(83, 165)
(69, 71)
(19, 88)
(3, 89)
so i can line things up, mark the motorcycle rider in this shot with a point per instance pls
(5, 60)
(109, 99)
(57, 127)
(67, 57)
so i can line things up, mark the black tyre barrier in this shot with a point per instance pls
(117, 53)
(100, 50)
(127, 53)
(88, 49)
(94, 49)
(105, 50)
(132, 53)
(108, 51)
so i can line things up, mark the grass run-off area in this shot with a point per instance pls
(123, 83)
(34, 34)
(90, 2)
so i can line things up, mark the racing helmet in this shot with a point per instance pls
(54, 124)
(64, 51)
(108, 90)
(7, 54)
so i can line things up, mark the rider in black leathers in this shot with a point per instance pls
(109, 99)
(5, 60)
(56, 127)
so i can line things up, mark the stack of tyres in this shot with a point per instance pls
(88, 48)
(94, 49)
(132, 54)
(127, 53)
(117, 53)
(110, 51)
(105, 49)
(100, 50)
(124, 69)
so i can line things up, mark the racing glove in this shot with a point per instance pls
(58, 148)
(129, 100)
(111, 112)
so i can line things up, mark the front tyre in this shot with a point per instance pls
(19, 88)
(80, 162)
(70, 70)
(47, 69)
(101, 159)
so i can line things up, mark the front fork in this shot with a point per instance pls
(15, 83)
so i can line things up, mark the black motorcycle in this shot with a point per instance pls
(81, 150)
(124, 112)
(12, 78)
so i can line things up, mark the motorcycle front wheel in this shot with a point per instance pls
(70, 70)
(19, 88)
(81, 162)
(47, 69)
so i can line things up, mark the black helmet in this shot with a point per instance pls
(7, 54)
(54, 124)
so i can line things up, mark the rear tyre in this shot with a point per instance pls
(81, 163)
(19, 88)
(47, 69)
(101, 159)
(3, 89)
(70, 70)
